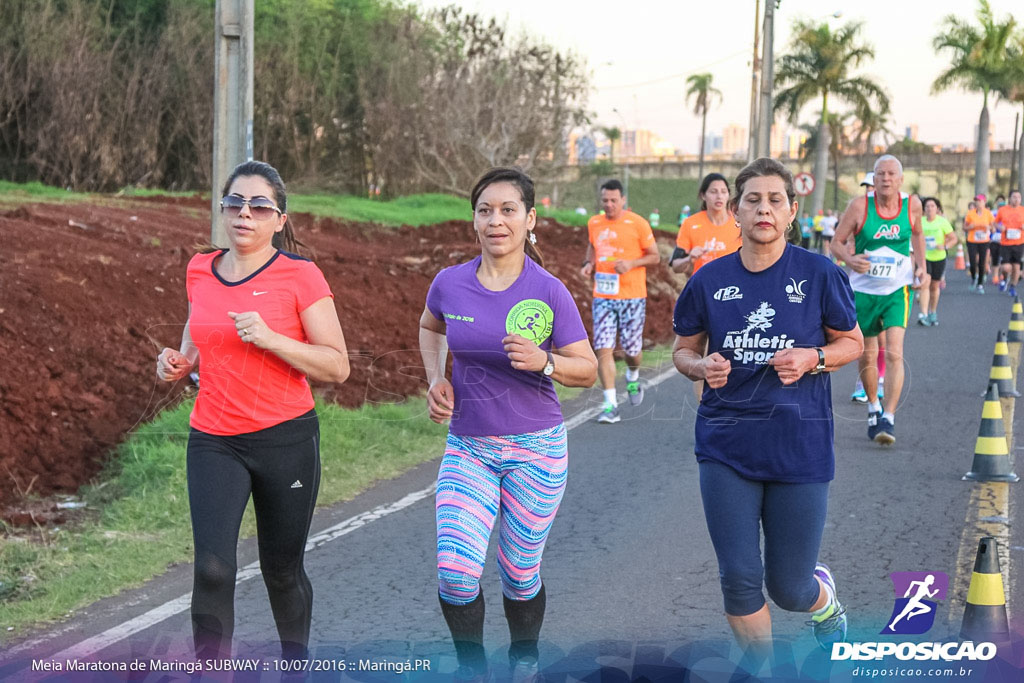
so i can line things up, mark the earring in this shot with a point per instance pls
(532, 236)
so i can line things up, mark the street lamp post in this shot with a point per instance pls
(755, 67)
(766, 113)
(625, 164)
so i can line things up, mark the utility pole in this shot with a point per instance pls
(1014, 156)
(232, 99)
(766, 113)
(755, 67)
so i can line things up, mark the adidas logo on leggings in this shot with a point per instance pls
(297, 484)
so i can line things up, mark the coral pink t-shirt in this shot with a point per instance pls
(242, 388)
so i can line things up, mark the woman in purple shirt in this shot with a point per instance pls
(512, 328)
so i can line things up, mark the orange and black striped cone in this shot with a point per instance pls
(1002, 373)
(959, 263)
(985, 613)
(1016, 322)
(991, 454)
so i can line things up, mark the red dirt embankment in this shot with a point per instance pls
(89, 294)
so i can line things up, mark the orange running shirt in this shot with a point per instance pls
(622, 239)
(1012, 219)
(715, 240)
(978, 225)
(242, 388)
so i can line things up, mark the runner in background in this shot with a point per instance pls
(1011, 220)
(711, 232)
(620, 249)
(261, 320)
(654, 219)
(978, 226)
(806, 230)
(859, 395)
(513, 330)
(818, 229)
(828, 231)
(882, 225)
(774, 317)
(939, 236)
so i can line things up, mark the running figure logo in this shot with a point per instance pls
(914, 613)
(760, 319)
(532, 319)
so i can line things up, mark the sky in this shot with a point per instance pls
(640, 52)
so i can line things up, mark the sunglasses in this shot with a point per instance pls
(261, 208)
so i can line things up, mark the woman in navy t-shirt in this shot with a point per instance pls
(513, 329)
(775, 318)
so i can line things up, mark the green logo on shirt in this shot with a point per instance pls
(530, 318)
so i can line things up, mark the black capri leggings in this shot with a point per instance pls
(976, 252)
(280, 467)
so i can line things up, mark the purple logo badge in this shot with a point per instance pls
(917, 594)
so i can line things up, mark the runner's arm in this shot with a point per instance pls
(917, 238)
(433, 346)
(325, 357)
(951, 239)
(849, 224)
(688, 357)
(651, 257)
(575, 363)
(172, 365)
(587, 269)
(434, 353)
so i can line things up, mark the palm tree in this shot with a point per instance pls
(978, 62)
(614, 135)
(819, 65)
(1011, 89)
(700, 89)
(838, 141)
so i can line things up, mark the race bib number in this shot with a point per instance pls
(930, 242)
(883, 267)
(1013, 233)
(606, 283)
(980, 235)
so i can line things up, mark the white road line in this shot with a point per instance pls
(167, 610)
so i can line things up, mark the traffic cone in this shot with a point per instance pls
(1001, 372)
(985, 614)
(1016, 322)
(959, 264)
(991, 454)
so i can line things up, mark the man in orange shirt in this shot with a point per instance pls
(1011, 220)
(978, 225)
(621, 247)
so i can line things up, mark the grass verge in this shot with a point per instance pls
(141, 524)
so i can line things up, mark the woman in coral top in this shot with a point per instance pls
(711, 232)
(261, 321)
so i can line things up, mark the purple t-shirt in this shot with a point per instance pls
(491, 397)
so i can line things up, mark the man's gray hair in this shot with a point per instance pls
(887, 157)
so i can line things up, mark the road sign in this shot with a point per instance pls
(804, 183)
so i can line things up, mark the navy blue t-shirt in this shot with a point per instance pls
(764, 430)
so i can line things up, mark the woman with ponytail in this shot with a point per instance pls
(513, 330)
(261, 320)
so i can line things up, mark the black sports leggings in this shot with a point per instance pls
(280, 467)
(976, 252)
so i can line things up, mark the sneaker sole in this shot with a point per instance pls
(885, 439)
(608, 420)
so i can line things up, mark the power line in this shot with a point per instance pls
(674, 76)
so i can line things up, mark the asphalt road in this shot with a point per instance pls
(631, 576)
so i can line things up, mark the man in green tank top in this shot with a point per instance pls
(874, 239)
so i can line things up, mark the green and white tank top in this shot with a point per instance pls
(885, 242)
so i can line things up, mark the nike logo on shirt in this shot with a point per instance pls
(258, 293)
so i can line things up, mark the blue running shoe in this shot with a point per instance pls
(1002, 285)
(830, 626)
(885, 434)
(859, 395)
(873, 419)
(1012, 291)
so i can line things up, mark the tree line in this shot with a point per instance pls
(350, 95)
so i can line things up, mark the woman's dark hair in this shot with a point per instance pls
(938, 204)
(764, 168)
(524, 184)
(705, 185)
(285, 239)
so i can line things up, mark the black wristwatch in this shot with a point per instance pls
(549, 369)
(820, 367)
